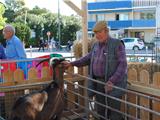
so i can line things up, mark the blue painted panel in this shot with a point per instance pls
(144, 23)
(91, 25)
(25, 66)
(110, 5)
(119, 24)
(126, 24)
(114, 24)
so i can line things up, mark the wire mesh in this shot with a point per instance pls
(12, 93)
(134, 105)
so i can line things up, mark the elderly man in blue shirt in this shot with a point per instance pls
(14, 46)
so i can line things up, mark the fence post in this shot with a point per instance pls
(145, 102)
(132, 98)
(156, 104)
(70, 87)
(59, 70)
(30, 50)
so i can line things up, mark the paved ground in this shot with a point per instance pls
(33, 53)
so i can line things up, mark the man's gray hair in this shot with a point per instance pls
(10, 28)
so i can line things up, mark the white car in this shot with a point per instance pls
(133, 43)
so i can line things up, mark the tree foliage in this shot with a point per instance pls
(15, 5)
(50, 25)
(71, 26)
(41, 21)
(14, 8)
(38, 11)
(2, 22)
(35, 22)
(2, 19)
(22, 31)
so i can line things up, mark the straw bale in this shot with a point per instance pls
(77, 47)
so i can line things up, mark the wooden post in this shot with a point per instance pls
(145, 102)
(84, 28)
(156, 104)
(46, 74)
(132, 98)
(70, 87)
(132, 75)
(32, 75)
(85, 44)
(83, 13)
(70, 96)
(74, 7)
(19, 76)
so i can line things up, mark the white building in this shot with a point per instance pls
(127, 18)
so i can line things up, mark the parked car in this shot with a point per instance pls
(133, 43)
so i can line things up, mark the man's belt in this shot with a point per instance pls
(98, 77)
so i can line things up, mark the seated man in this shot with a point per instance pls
(14, 46)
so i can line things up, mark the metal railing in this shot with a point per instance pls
(128, 104)
(75, 97)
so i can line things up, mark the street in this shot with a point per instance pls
(32, 53)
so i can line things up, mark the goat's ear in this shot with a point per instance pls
(39, 100)
(42, 97)
(45, 96)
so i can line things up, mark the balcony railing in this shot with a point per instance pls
(127, 23)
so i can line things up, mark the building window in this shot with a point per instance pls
(91, 17)
(117, 16)
(122, 16)
(100, 17)
(147, 15)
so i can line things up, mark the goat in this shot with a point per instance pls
(46, 104)
(28, 106)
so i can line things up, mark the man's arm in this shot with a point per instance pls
(3, 55)
(20, 50)
(82, 61)
(79, 63)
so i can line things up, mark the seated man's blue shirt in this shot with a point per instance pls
(14, 49)
(2, 53)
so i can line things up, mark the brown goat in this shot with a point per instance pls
(44, 105)
(26, 107)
